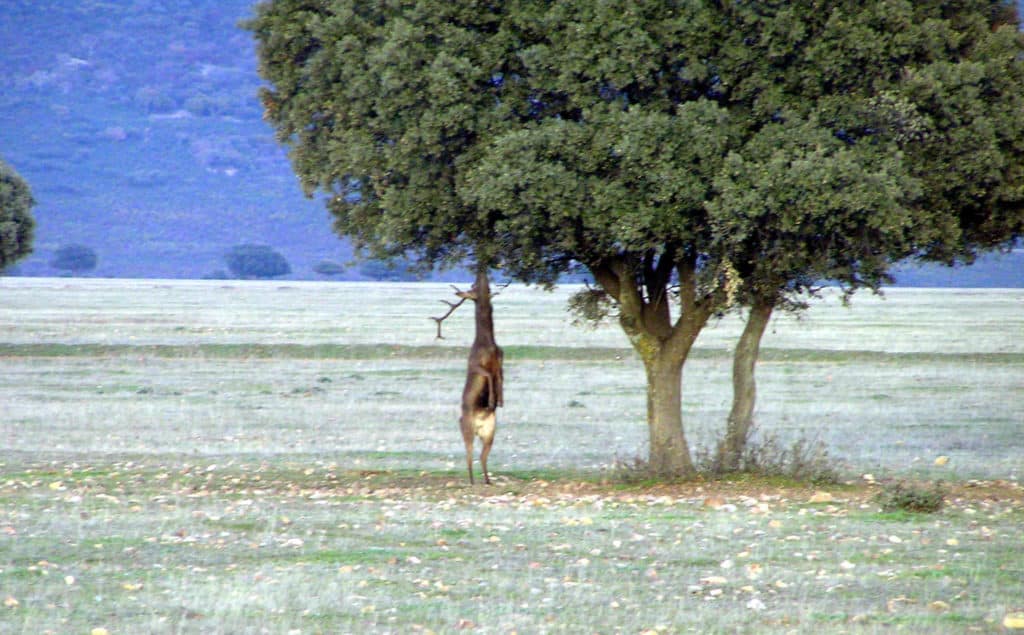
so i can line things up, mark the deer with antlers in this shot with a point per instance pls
(482, 394)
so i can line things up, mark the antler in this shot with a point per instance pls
(501, 287)
(451, 309)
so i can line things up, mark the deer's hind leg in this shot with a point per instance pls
(484, 425)
(483, 459)
(467, 438)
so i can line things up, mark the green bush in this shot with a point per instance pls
(912, 498)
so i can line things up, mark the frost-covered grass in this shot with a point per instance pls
(239, 457)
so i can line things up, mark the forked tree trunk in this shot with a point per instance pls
(744, 387)
(663, 345)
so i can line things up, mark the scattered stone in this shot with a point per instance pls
(714, 502)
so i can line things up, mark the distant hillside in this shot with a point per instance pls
(992, 271)
(137, 125)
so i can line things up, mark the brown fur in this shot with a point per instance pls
(482, 394)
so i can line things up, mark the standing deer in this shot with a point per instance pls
(482, 394)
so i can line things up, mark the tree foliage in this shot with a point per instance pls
(889, 130)
(693, 156)
(16, 222)
(74, 259)
(256, 261)
(380, 102)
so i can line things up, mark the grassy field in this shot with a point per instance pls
(225, 457)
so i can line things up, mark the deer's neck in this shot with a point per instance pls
(484, 313)
(484, 323)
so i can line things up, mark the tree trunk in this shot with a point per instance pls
(663, 345)
(744, 389)
(669, 452)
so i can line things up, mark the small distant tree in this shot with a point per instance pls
(74, 259)
(394, 270)
(256, 261)
(328, 268)
(216, 274)
(16, 224)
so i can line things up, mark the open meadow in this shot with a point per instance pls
(284, 457)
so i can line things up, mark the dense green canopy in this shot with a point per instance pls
(16, 223)
(380, 102)
(691, 155)
(907, 139)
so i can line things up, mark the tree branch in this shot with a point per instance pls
(605, 276)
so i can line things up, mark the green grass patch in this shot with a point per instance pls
(512, 352)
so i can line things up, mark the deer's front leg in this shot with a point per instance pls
(499, 380)
(491, 397)
(480, 371)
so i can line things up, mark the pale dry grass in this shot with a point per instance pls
(37, 310)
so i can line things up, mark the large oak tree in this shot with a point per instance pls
(690, 155)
